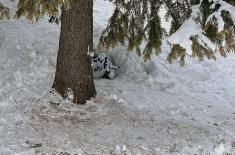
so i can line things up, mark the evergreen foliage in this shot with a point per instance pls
(36, 9)
(4, 12)
(178, 11)
(228, 32)
(137, 25)
(224, 39)
(205, 10)
(133, 23)
(177, 52)
(231, 2)
(211, 30)
(201, 51)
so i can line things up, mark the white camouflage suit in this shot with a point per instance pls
(103, 67)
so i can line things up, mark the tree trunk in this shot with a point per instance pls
(73, 70)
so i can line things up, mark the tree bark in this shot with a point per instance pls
(73, 70)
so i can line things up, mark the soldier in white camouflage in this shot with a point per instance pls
(103, 67)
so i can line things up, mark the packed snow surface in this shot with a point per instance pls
(149, 108)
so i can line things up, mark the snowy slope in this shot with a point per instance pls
(150, 108)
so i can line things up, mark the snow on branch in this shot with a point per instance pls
(209, 29)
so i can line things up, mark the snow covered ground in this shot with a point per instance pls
(150, 108)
